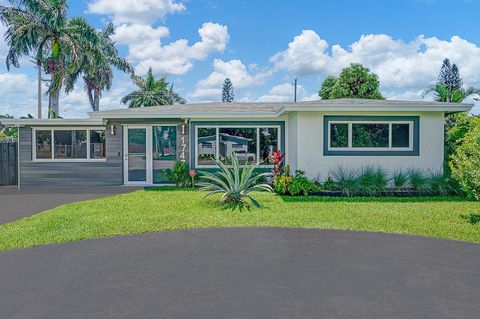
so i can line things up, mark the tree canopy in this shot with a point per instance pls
(43, 30)
(355, 81)
(449, 87)
(96, 67)
(152, 92)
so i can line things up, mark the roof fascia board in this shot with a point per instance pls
(52, 122)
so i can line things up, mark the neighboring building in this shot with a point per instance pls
(134, 146)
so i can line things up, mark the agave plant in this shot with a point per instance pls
(234, 182)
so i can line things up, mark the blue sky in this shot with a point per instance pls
(263, 45)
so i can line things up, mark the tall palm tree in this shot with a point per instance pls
(41, 28)
(96, 67)
(152, 92)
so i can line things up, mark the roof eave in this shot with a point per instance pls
(203, 115)
(52, 122)
(378, 108)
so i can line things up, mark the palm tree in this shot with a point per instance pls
(96, 67)
(444, 94)
(41, 28)
(152, 92)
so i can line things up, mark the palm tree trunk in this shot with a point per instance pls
(91, 99)
(39, 96)
(96, 100)
(53, 103)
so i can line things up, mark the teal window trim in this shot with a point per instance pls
(415, 151)
(193, 133)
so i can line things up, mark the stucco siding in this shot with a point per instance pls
(311, 156)
(73, 174)
(292, 145)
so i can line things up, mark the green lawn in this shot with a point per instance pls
(169, 209)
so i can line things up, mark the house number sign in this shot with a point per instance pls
(183, 144)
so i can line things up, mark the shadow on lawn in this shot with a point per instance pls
(471, 218)
(167, 188)
(426, 199)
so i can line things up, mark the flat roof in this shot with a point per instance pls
(248, 110)
(275, 109)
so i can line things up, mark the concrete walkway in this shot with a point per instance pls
(16, 204)
(244, 273)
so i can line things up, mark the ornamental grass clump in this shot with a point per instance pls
(345, 180)
(372, 180)
(400, 179)
(418, 180)
(234, 182)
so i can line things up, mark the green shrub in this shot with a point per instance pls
(345, 180)
(465, 163)
(234, 183)
(329, 184)
(400, 179)
(179, 174)
(281, 184)
(441, 184)
(300, 184)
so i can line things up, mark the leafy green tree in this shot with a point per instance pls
(152, 92)
(96, 67)
(7, 131)
(355, 81)
(327, 87)
(228, 94)
(465, 161)
(41, 28)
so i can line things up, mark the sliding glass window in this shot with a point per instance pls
(251, 144)
(344, 135)
(63, 144)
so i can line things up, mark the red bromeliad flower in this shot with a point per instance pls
(276, 158)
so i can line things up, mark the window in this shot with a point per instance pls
(164, 151)
(268, 142)
(97, 144)
(338, 135)
(371, 135)
(400, 135)
(241, 141)
(62, 144)
(44, 144)
(70, 144)
(206, 145)
(251, 144)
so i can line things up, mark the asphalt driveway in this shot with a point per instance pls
(244, 273)
(16, 204)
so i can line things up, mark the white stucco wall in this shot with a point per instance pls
(305, 145)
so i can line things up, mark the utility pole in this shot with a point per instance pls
(295, 92)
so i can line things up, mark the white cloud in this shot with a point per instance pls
(176, 58)
(210, 88)
(397, 63)
(135, 11)
(16, 99)
(285, 93)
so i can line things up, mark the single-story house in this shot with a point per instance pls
(134, 146)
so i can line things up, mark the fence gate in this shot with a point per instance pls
(8, 163)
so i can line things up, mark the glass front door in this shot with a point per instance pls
(149, 151)
(136, 155)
